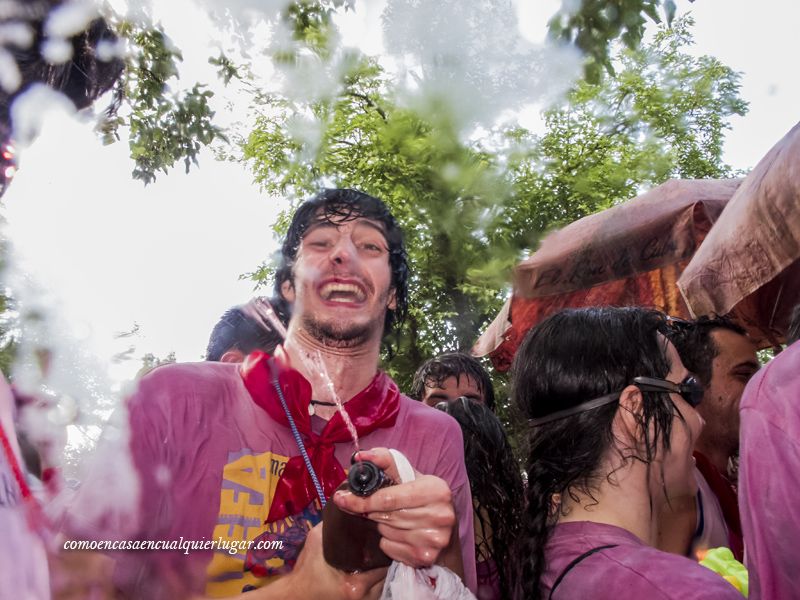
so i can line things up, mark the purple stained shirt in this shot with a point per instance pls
(769, 477)
(209, 460)
(488, 580)
(631, 570)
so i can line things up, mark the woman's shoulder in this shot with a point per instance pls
(594, 556)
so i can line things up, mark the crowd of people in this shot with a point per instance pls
(648, 440)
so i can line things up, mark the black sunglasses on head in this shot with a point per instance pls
(689, 389)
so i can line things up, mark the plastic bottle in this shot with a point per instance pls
(351, 542)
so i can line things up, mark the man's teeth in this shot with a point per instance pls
(342, 292)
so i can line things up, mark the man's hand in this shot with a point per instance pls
(314, 579)
(415, 519)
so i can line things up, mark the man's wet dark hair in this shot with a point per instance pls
(434, 372)
(346, 205)
(237, 330)
(569, 358)
(696, 347)
(793, 333)
(495, 481)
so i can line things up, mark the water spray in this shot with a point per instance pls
(313, 362)
(361, 550)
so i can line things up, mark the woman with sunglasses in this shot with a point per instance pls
(612, 425)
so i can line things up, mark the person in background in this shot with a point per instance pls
(612, 428)
(769, 474)
(450, 376)
(240, 331)
(497, 492)
(723, 357)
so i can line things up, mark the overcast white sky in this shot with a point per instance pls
(167, 257)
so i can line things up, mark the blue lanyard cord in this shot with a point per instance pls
(298, 439)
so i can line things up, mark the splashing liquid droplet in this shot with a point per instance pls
(313, 363)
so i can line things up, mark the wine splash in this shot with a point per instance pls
(313, 362)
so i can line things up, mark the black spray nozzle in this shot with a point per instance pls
(365, 478)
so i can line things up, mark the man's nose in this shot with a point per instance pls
(343, 252)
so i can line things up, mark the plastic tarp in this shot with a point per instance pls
(750, 260)
(631, 254)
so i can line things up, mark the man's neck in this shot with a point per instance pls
(348, 370)
(624, 503)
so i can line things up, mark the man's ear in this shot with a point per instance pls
(392, 303)
(232, 356)
(287, 291)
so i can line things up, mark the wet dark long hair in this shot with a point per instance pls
(496, 483)
(572, 357)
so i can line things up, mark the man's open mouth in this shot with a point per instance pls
(336, 291)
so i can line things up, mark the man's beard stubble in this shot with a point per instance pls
(338, 334)
(341, 333)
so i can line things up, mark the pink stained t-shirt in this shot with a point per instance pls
(769, 477)
(630, 570)
(209, 460)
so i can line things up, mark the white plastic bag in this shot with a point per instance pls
(433, 583)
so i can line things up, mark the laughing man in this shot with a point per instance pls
(216, 455)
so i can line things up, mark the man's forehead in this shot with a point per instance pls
(324, 219)
(733, 341)
(456, 380)
(734, 347)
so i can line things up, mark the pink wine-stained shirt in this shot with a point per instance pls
(627, 570)
(769, 477)
(209, 460)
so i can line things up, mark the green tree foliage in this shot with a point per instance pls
(471, 209)
(442, 191)
(663, 115)
(593, 25)
(164, 127)
(150, 361)
(7, 341)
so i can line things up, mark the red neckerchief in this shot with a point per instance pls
(374, 407)
(725, 492)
